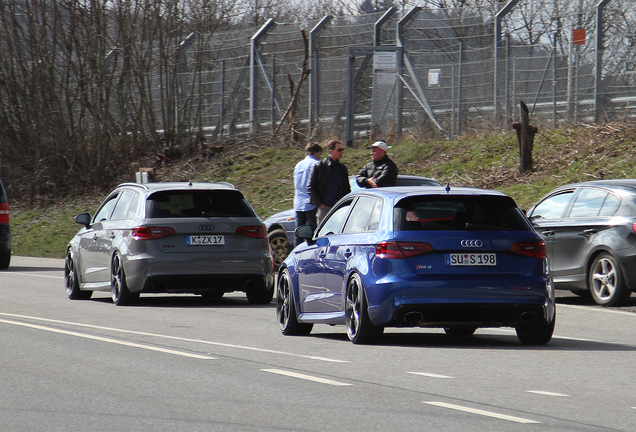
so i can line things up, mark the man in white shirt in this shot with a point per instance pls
(305, 211)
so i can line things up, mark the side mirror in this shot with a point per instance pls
(83, 219)
(304, 232)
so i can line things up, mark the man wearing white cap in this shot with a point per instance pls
(381, 171)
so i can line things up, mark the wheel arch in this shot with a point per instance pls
(294, 281)
(595, 253)
(79, 272)
(275, 227)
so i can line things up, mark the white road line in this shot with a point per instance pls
(34, 275)
(482, 412)
(305, 377)
(430, 375)
(547, 393)
(113, 341)
(597, 309)
(325, 359)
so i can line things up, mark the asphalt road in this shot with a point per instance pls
(177, 363)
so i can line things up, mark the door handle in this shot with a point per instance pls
(348, 253)
(547, 233)
(322, 253)
(590, 231)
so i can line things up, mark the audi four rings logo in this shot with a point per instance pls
(471, 243)
(206, 227)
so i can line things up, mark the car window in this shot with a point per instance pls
(374, 222)
(333, 224)
(122, 206)
(212, 203)
(459, 213)
(134, 206)
(106, 209)
(552, 207)
(588, 203)
(360, 216)
(610, 205)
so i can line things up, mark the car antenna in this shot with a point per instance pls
(447, 187)
(190, 183)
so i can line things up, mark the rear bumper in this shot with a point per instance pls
(5, 239)
(199, 284)
(471, 314)
(480, 303)
(186, 275)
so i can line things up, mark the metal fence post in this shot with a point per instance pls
(600, 48)
(314, 76)
(181, 70)
(400, 88)
(254, 64)
(499, 18)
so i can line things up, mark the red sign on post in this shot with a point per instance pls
(578, 36)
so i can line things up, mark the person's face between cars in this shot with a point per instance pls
(336, 153)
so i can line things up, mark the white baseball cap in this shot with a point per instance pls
(381, 145)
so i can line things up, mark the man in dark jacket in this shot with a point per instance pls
(381, 171)
(328, 180)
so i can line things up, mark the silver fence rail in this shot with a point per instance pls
(420, 71)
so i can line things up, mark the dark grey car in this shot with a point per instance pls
(199, 238)
(5, 230)
(590, 233)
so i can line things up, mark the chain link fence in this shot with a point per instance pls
(422, 71)
(452, 70)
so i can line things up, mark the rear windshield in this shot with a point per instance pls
(459, 213)
(214, 203)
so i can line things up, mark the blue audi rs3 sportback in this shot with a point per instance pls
(457, 259)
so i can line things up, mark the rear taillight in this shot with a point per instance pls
(400, 250)
(151, 233)
(532, 249)
(257, 231)
(4, 213)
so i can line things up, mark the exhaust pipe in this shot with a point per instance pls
(413, 317)
(528, 317)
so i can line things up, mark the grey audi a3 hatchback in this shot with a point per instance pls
(196, 238)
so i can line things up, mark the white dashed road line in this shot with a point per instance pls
(547, 393)
(482, 412)
(431, 375)
(305, 377)
(108, 340)
(177, 338)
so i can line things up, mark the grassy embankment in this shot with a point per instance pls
(265, 175)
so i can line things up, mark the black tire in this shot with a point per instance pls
(71, 281)
(460, 331)
(605, 281)
(120, 293)
(536, 333)
(286, 308)
(261, 296)
(280, 246)
(5, 260)
(360, 329)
